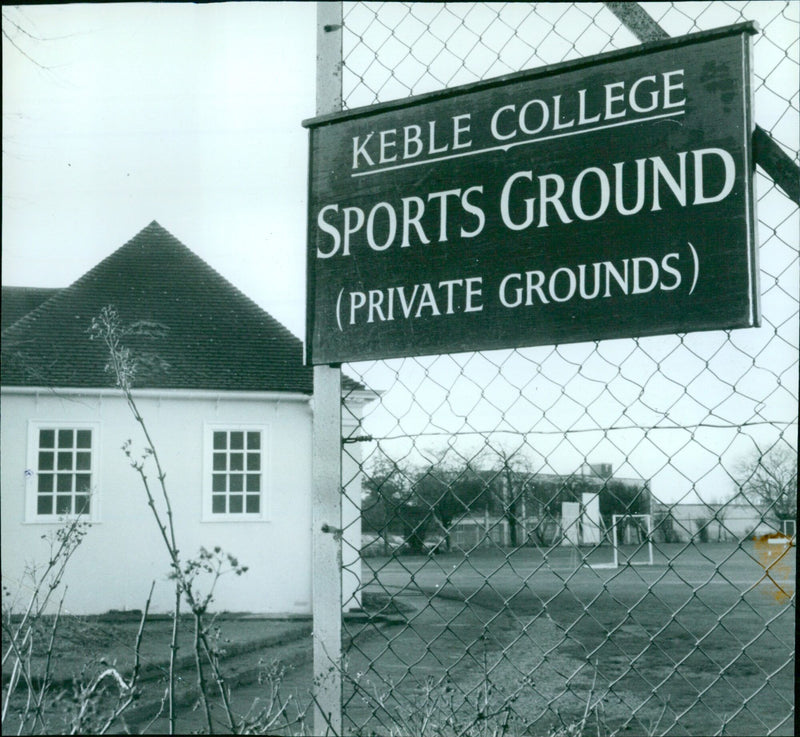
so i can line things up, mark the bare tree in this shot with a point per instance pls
(769, 481)
(515, 474)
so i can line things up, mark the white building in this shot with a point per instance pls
(228, 401)
(711, 522)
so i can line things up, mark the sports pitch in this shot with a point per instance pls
(702, 642)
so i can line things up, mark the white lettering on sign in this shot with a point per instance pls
(416, 140)
(452, 211)
(604, 279)
(551, 196)
(645, 95)
(576, 202)
(535, 287)
(615, 103)
(530, 200)
(409, 303)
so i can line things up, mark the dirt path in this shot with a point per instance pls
(448, 660)
(249, 674)
(470, 660)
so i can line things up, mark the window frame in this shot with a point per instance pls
(32, 515)
(264, 473)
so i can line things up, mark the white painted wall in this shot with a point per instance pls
(590, 519)
(570, 514)
(123, 552)
(724, 522)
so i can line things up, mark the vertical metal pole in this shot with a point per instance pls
(326, 514)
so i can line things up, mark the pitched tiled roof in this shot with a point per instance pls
(211, 335)
(19, 301)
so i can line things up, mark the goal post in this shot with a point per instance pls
(632, 538)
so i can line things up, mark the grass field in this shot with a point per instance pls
(519, 640)
(700, 643)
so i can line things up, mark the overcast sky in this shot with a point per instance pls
(190, 114)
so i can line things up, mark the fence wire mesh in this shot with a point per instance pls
(597, 536)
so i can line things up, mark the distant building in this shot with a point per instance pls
(710, 522)
(597, 470)
(511, 507)
(225, 394)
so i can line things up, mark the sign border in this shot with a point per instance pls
(549, 70)
(639, 50)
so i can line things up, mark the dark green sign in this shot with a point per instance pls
(605, 198)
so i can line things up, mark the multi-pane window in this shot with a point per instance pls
(63, 471)
(236, 472)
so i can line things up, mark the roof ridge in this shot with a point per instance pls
(32, 315)
(9, 329)
(18, 301)
(155, 227)
(251, 302)
(219, 337)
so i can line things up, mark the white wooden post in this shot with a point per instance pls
(326, 515)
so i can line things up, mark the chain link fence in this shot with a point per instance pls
(589, 537)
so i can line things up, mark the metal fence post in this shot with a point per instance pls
(327, 449)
